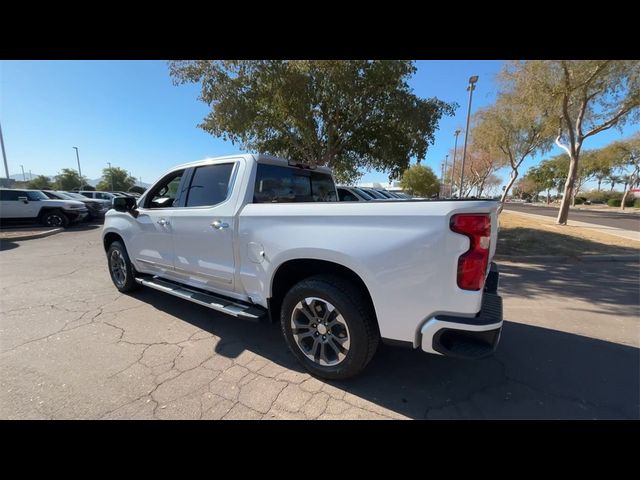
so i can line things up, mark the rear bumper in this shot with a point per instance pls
(465, 337)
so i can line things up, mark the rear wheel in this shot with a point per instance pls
(329, 326)
(55, 218)
(120, 268)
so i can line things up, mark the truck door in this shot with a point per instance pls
(203, 228)
(151, 244)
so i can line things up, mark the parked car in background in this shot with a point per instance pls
(373, 193)
(95, 208)
(125, 194)
(35, 206)
(352, 194)
(108, 196)
(255, 236)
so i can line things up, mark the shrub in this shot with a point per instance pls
(636, 203)
(616, 202)
(601, 196)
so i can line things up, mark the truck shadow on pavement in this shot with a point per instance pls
(536, 372)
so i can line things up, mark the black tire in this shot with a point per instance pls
(356, 311)
(129, 284)
(54, 218)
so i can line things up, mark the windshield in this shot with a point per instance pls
(36, 195)
(374, 194)
(363, 194)
(64, 195)
(73, 195)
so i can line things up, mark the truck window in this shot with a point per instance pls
(165, 193)
(278, 184)
(209, 185)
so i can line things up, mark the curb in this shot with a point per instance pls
(46, 233)
(567, 258)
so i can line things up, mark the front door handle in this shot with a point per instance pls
(163, 222)
(219, 225)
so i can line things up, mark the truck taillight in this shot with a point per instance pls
(472, 265)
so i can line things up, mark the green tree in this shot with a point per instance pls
(630, 150)
(350, 115)
(68, 179)
(115, 179)
(579, 99)
(514, 131)
(41, 182)
(420, 180)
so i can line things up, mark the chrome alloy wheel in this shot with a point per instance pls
(320, 331)
(54, 220)
(118, 268)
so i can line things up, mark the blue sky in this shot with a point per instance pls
(130, 114)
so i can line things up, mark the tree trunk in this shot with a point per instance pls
(567, 196)
(599, 182)
(512, 179)
(548, 196)
(628, 186)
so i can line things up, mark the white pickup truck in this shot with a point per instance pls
(257, 237)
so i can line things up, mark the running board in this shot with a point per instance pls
(214, 302)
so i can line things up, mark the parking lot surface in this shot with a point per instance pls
(71, 346)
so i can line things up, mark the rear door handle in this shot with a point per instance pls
(219, 225)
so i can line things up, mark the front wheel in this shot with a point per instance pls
(120, 268)
(55, 218)
(329, 326)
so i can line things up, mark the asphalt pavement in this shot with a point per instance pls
(72, 347)
(626, 221)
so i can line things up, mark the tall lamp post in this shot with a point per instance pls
(4, 155)
(79, 171)
(24, 178)
(444, 172)
(470, 89)
(111, 175)
(453, 165)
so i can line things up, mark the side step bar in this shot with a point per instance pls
(214, 302)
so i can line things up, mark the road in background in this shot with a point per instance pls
(626, 221)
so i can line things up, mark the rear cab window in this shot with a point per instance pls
(281, 184)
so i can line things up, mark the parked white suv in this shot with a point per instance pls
(33, 205)
(256, 236)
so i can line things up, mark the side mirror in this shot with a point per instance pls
(23, 199)
(124, 204)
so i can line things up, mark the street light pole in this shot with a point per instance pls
(79, 171)
(470, 89)
(453, 165)
(444, 172)
(4, 155)
(24, 178)
(111, 175)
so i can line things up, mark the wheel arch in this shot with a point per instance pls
(109, 238)
(293, 271)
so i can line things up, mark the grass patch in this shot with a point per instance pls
(521, 236)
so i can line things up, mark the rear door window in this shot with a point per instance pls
(209, 185)
(278, 184)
